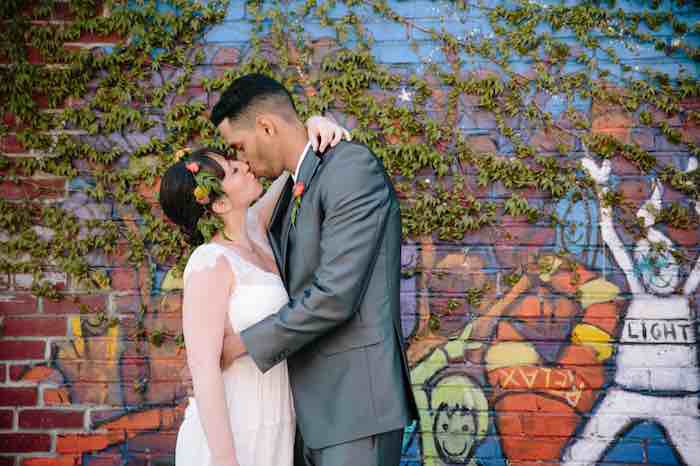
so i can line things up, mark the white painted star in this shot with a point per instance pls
(405, 95)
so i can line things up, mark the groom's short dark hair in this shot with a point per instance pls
(249, 93)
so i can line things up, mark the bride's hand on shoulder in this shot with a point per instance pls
(324, 132)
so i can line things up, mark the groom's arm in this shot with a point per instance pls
(356, 200)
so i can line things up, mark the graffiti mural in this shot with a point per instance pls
(656, 365)
(528, 362)
(530, 344)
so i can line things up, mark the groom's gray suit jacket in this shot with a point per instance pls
(341, 330)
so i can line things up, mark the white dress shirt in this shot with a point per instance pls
(301, 160)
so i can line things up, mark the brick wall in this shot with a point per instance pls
(551, 366)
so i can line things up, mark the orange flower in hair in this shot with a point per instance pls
(207, 183)
(192, 167)
(201, 194)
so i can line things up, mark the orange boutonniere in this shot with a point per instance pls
(297, 192)
(192, 167)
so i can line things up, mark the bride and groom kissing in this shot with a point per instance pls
(291, 311)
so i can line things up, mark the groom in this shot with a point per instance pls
(336, 237)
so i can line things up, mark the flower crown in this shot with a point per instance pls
(207, 183)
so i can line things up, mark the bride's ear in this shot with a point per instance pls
(220, 206)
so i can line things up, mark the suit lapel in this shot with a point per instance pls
(306, 173)
(277, 225)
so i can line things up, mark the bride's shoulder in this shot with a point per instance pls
(203, 257)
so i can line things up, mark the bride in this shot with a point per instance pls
(238, 417)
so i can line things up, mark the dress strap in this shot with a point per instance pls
(206, 255)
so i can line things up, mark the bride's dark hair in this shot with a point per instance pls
(177, 192)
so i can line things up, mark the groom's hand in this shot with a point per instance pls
(233, 349)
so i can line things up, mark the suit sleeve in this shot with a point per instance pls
(356, 199)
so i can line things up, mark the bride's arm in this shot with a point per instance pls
(205, 310)
(323, 132)
(263, 208)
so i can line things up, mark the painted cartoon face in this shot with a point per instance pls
(460, 418)
(455, 428)
(658, 270)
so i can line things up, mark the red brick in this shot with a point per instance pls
(24, 443)
(114, 458)
(131, 304)
(119, 258)
(154, 442)
(57, 280)
(482, 144)
(84, 443)
(637, 190)
(623, 167)
(7, 461)
(124, 279)
(41, 100)
(56, 397)
(61, 11)
(11, 144)
(22, 349)
(18, 304)
(17, 371)
(9, 119)
(3, 373)
(50, 419)
(111, 394)
(31, 327)
(643, 138)
(226, 56)
(69, 306)
(90, 37)
(6, 416)
(18, 396)
(142, 420)
(31, 189)
(13, 167)
(63, 460)
(98, 417)
(547, 141)
(34, 56)
(28, 373)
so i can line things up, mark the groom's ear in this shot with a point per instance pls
(266, 124)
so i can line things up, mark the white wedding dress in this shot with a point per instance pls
(260, 405)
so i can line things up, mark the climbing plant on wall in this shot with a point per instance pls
(114, 117)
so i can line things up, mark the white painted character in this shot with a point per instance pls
(657, 377)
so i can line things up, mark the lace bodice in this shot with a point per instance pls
(257, 292)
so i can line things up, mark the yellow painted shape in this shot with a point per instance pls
(551, 264)
(455, 348)
(172, 282)
(511, 353)
(596, 338)
(597, 291)
(113, 345)
(77, 329)
(433, 363)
